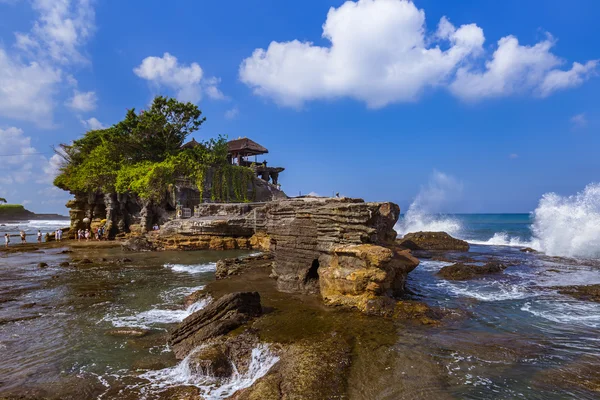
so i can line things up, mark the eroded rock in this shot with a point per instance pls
(432, 241)
(356, 274)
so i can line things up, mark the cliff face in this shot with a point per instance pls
(126, 212)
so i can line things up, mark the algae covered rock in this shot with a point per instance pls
(432, 241)
(459, 271)
(582, 292)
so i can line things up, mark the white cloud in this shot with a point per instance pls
(19, 157)
(188, 82)
(579, 120)
(513, 156)
(62, 28)
(27, 90)
(232, 113)
(380, 53)
(517, 69)
(93, 124)
(83, 101)
(31, 74)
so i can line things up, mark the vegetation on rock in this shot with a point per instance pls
(143, 155)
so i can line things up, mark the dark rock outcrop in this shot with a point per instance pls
(42, 265)
(432, 241)
(461, 271)
(582, 292)
(218, 318)
(138, 244)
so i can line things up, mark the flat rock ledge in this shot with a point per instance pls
(218, 318)
(459, 271)
(432, 241)
(583, 292)
(236, 266)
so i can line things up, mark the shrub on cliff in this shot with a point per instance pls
(143, 155)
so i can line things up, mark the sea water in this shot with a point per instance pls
(514, 335)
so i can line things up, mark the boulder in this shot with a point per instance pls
(218, 318)
(583, 292)
(42, 265)
(356, 274)
(432, 241)
(64, 264)
(457, 272)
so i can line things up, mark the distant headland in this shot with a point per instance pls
(17, 212)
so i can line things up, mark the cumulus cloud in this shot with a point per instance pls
(93, 124)
(380, 53)
(187, 81)
(31, 74)
(83, 101)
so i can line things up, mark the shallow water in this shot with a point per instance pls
(513, 337)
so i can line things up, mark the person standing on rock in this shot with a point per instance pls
(39, 236)
(6, 239)
(23, 237)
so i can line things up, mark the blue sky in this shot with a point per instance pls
(374, 98)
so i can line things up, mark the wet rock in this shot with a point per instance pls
(211, 361)
(134, 332)
(235, 266)
(194, 297)
(432, 241)
(138, 244)
(181, 393)
(465, 271)
(528, 250)
(66, 252)
(28, 305)
(587, 293)
(86, 261)
(124, 260)
(218, 318)
(64, 264)
(42, 265)
(306, 370)
(354, 275)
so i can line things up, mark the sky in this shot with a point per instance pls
(494, 103)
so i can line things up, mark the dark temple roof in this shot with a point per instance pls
(191, 144)
(245, 146)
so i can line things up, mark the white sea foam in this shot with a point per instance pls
(488, 290)
(188, 373)
(424, 212)
(173, 295)
(569, 226)
(503, 239)
(193, 269)
(565, 312)
(156, 316)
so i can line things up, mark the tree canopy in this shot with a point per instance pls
(142, 154)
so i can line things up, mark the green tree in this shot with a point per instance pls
(3, 200)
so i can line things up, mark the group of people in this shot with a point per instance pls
(58, 235)
(87, 234)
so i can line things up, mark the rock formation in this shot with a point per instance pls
(432, 241)
(582, 292)
(219, 317)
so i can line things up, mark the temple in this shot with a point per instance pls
(240, 152)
